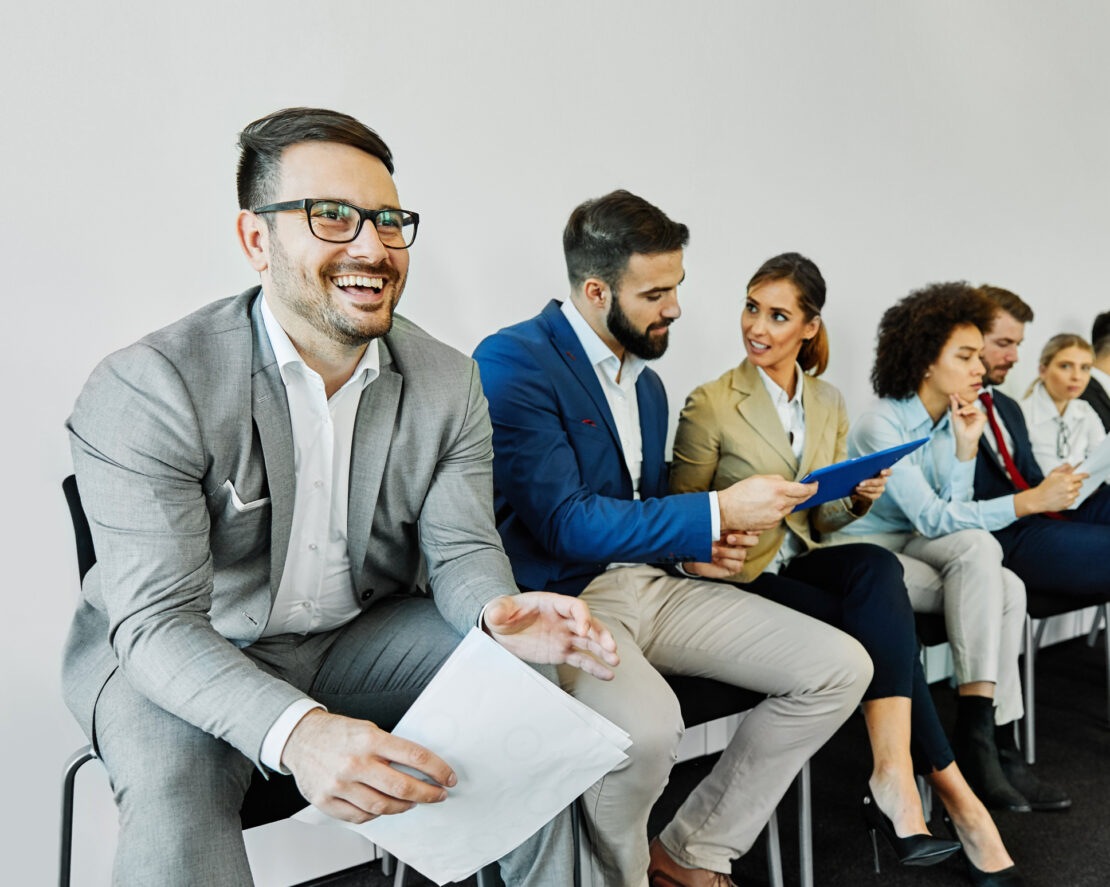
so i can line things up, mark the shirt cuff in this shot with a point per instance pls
(278, 734)
(715, 515)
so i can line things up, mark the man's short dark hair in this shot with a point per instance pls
(602, 234)
(262, 142)
(1100, 334)
(913, 331)
(1009, 302)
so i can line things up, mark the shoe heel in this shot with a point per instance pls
(874, 848)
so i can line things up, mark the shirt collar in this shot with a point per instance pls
(778, 395)
(1041, 407)
(913, 415)
(597, 352)
(366, 371)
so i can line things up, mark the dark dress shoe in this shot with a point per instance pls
(977, 754)
(1041, 795)
(665, 872)
(1007, 877)
(921, 849)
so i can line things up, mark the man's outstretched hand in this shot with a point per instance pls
(342, 766)
(543, 627)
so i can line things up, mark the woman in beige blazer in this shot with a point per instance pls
(772, 415)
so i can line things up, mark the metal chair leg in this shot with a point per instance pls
(488, 876)
(805, 827)
(401, 875)
(387, 863)
(69, 775)
(1096, 625)
(1106, 620)
(1030, 714)
(774, 852)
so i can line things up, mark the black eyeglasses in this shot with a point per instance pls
(1063, 444)
(338, 222)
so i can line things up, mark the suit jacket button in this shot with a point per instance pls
(366, 595)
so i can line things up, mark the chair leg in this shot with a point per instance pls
(774, 851)
(401, 875)
(387, 863)
(1106, 620)
(1096, 625)
(1030, 713)
(576, 840)
(69, 776)
(805, 827)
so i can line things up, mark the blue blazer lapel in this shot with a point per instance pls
(652, 402)
(574, 356)
(270, 409)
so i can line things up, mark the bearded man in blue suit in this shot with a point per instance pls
(580, 425)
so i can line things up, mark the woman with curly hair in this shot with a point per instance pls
(928, 373)
(772, 415)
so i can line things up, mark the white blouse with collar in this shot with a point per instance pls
(1058, 439)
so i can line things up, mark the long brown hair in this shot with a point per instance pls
(806, 276)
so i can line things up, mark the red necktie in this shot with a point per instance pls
(1011, 469)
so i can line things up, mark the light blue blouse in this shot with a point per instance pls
(929, 490)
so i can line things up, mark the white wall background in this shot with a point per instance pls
(895, 144)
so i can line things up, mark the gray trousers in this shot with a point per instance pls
(814, 676)
(961, 575)
(179, 789)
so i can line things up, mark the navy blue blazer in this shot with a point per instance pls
(562, 492)
(1099, 398)
(991, 479)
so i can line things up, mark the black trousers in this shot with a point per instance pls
(860, 589)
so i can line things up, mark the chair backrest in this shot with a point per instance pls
(82, 535)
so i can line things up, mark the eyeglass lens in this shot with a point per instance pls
(337, 222)
(1063, 445)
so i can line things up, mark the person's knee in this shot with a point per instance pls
(656, 731)
(976, 547)
(853, 668)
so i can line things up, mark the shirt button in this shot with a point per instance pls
(306, 605)
(311, 546)
(366, 595)
(318, 484)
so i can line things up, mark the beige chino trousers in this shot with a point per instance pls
(814, 676)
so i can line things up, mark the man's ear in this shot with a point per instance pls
(597, 293)
(254, 238)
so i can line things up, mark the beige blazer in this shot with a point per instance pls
(729, 430)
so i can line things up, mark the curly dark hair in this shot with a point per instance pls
(913, 332)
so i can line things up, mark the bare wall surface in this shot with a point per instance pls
(895, 144)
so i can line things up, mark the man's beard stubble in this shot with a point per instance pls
(643, 345)
(311, 299)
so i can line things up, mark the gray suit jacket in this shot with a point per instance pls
(183, 452)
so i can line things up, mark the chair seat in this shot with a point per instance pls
(706, 699)
(1042, 605)
(931, 628)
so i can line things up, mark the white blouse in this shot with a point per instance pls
(1058, 439)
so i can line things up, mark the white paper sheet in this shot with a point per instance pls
(522, 750)
(1097, 465)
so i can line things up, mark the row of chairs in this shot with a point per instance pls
(701, 700)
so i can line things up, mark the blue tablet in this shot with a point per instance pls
(837, 481)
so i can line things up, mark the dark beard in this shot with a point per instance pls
(643, 345)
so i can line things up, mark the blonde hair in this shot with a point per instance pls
(1054, 346)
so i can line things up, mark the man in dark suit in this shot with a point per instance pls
(1062, 553)
(1097, 393)
(274, 485)
(580, 425)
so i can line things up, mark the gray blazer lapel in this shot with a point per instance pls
(372, 437)
(271, 416)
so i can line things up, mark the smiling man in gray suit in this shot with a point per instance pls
(273, 484)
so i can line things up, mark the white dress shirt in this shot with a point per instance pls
(1102, 378)
(1058, 439)
(317, 590)
(792, 415)
(622, 400)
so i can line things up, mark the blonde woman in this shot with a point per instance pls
(1062, 427)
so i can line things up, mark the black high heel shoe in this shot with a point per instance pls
(912, 850)
(1007, 877)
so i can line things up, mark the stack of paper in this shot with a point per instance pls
(522, 750)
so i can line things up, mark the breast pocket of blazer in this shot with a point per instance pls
(240, 526)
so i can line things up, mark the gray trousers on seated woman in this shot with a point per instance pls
(961, 575)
